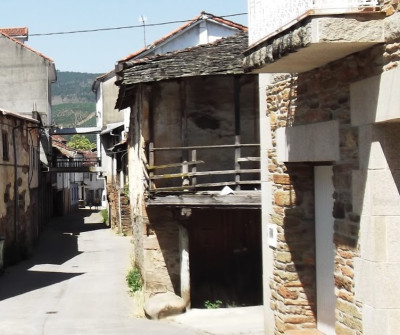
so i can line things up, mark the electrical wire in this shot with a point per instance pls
(123, 27)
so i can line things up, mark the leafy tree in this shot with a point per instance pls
(80, 142)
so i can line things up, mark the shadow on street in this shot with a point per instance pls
(57, 244)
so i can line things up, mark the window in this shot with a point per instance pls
(5, 146)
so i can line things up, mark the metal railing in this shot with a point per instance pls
(270, 16)
(75, 163)
(186, 175)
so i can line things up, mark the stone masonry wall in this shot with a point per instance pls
(117, 206)
(161, 252)
(319, 95)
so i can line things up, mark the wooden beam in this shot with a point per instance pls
(204, 185)
(249, 159)
(204, 147)
(237, 200)
(166, 166)
(203, 173)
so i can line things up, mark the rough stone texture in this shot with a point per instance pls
(316, 96)
(123, 206)
(296, 38)
(18, 229)
(161, 265)
(163, 305)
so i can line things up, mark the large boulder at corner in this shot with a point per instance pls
(163, 305)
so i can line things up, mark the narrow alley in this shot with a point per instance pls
(74, 284)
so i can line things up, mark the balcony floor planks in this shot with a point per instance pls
(239, 199)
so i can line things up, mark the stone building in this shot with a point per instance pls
(204, 28)
(26, 76)
(330, 107)
(194, 173)
(19, 171)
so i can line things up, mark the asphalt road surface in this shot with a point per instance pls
(75, 285)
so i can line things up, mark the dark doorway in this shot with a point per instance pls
(225, 257)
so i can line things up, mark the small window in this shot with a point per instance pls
(5, 146)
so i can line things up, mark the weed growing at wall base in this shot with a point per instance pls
(134, 280)
(212, 304)
(104, 214)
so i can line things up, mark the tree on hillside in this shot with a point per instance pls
(80, 142)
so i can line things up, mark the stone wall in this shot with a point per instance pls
(19, 225)
(161, 252)
(316, 96)
(119, 210)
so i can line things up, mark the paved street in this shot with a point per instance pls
(75, 284)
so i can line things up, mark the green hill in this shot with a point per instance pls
(73, 87)
(73, 101)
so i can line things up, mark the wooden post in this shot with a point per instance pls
(194, 167)
(151, 163)
(237, 162)
(236, 99)
(185, 171)
(184, 255)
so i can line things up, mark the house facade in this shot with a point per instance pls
(202, 29)
(19, 170)
(26, 76)
(329, 136)
(194, 173)
(25, 89)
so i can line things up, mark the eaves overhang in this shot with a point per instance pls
(315, 40)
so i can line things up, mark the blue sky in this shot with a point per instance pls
(97, 52)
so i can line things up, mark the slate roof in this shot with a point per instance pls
(220, 57)
(223, 56)
(171, 35)
(201, 17)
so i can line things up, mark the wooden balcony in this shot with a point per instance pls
(193, 182)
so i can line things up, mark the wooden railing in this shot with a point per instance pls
(190, 175)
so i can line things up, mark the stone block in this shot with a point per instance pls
(373, 238)
(374, 321)
(371, 151)
(313, 142)
(375, 99)
(392, 26)
(163, 305)
(392, 238)
(376, 283)
(361, 192)
(385, 197)
(284, 198)
(283, 179)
